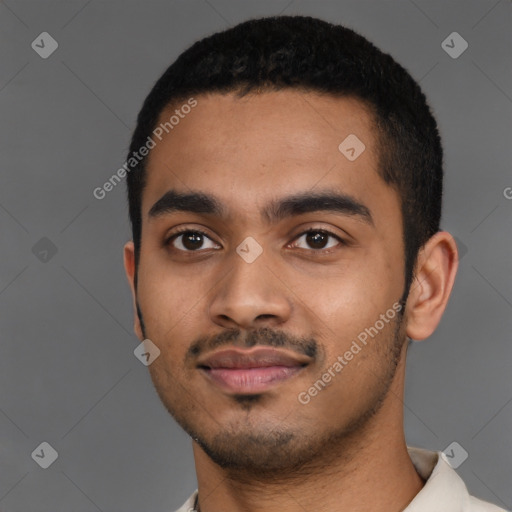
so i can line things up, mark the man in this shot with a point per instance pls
(286, 245)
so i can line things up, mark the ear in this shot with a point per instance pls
(129, 267)
(435, 270)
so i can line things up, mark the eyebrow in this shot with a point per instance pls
(194, 202)
(307, 202)
(275, 211)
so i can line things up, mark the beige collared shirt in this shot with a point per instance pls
(444, 490)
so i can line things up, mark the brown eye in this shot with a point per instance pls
(191, 241)
(318, 239)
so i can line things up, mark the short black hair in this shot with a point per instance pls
(312, 55)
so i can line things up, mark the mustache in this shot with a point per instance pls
(263, 336)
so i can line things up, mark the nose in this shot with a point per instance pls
(250, 296)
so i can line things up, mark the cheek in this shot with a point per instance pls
(348, 297)
(170, 303)
(347, 307)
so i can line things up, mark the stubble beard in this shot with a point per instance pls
(270, 452)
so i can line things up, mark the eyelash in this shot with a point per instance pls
(168, 241)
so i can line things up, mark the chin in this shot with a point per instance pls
(263, 453)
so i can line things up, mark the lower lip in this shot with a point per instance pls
(250, 380)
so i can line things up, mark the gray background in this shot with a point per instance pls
(68, 375)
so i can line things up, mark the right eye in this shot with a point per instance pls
(188, 240)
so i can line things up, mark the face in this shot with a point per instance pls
(267, 255)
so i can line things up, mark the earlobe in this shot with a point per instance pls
(129, 267)
(435, 271)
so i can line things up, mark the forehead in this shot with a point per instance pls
(246, 150)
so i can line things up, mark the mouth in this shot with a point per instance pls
(251, 371)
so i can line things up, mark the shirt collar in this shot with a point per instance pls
(442, 485)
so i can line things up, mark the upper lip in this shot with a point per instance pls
(258, 357)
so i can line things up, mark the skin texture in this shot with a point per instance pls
(345, 449)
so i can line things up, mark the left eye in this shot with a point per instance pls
(318, 239)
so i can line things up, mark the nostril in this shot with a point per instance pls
(264, 317)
